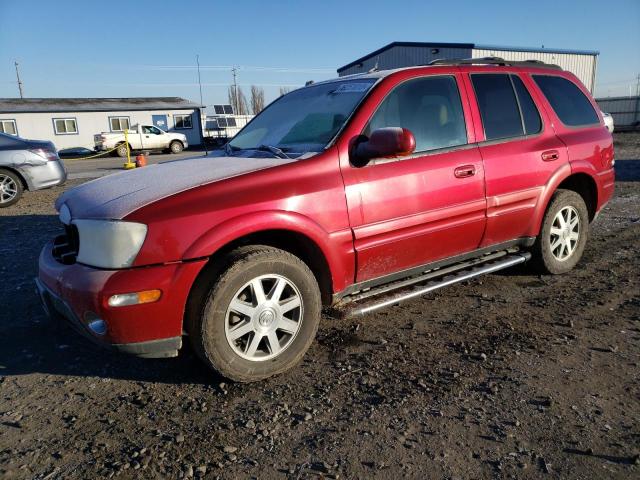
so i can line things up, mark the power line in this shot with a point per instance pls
(241, 67)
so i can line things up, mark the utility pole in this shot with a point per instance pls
(201, 106)
(234, 72)
(638, 85)
(19, 81)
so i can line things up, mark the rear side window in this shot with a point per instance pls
(567, 100)
(530, 115)
(429, 107)
(498, 106)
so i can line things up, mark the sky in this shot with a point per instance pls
(148, 48)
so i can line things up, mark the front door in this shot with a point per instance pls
(152, 137)
(430, 205)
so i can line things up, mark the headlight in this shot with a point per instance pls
(109, 244)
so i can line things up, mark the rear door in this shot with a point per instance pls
(409, 211)
(519, 149)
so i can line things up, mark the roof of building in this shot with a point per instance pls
(34, 105)
(465, 45)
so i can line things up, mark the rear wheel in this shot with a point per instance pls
(176, 146)
(122, 150)
(10, 188)
(564, 233)
(260, 315)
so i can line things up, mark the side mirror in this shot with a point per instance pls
(383, 143)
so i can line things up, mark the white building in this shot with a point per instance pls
(72, 122)
(408, 54)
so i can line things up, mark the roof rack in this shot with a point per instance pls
(495, 61)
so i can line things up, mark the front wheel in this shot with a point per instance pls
(563, 235)
(176, 146)
(260, 316)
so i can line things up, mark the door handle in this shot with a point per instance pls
(550, 155)
(465, 171)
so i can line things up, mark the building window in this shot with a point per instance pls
(65, 126)
(182, 122)
(8, 127)
(119, 124)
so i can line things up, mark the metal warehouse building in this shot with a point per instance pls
(407, 54)
(72, 122)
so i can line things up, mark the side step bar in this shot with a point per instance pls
(387, 295)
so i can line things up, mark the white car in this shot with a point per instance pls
(141, 137)
(608, 121)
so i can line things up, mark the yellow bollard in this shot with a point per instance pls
(129, 165)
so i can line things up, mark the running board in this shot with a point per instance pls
(387, 295)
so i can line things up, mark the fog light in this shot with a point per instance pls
(98, 326)
(136, 298)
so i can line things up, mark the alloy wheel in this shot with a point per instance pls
(264, 317)
(564, 233)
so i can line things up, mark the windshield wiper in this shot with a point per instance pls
(279, 153)
(229, 149)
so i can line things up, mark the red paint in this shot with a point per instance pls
(367, 222)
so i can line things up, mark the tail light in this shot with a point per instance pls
(49, 155)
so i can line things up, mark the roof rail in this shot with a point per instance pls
(494, 61)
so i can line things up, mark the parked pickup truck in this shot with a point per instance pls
(141, 137)
(350, 195)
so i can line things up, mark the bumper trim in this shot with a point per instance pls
(163, 348)
(56, 307)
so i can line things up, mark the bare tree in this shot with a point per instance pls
(284, 90)
(238, 100)
(257, 99)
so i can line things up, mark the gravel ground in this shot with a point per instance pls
(509, 376)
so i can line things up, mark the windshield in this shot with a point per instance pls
(303, 121)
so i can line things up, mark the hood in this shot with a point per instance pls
(115, 196)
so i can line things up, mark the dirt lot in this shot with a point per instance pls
(512, 375)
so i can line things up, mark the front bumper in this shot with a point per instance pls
(79, 294)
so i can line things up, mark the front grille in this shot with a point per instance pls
(65, 247)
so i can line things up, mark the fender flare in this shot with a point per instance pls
(563, 172)
(237, 227)
(559, 176)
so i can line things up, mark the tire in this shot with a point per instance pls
(274, 335)
(176, 146)
(558, 248)
(10, 188)
(121, 151)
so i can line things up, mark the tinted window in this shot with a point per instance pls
(567, 100)
(429, 107)
(530, 115)
(498, 106)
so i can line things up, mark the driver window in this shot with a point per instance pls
(429, 107)
(146, 130)
(155, 131)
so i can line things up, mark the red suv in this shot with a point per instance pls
(354, 193)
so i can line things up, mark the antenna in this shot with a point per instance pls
(201, 104)
(19, 81)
